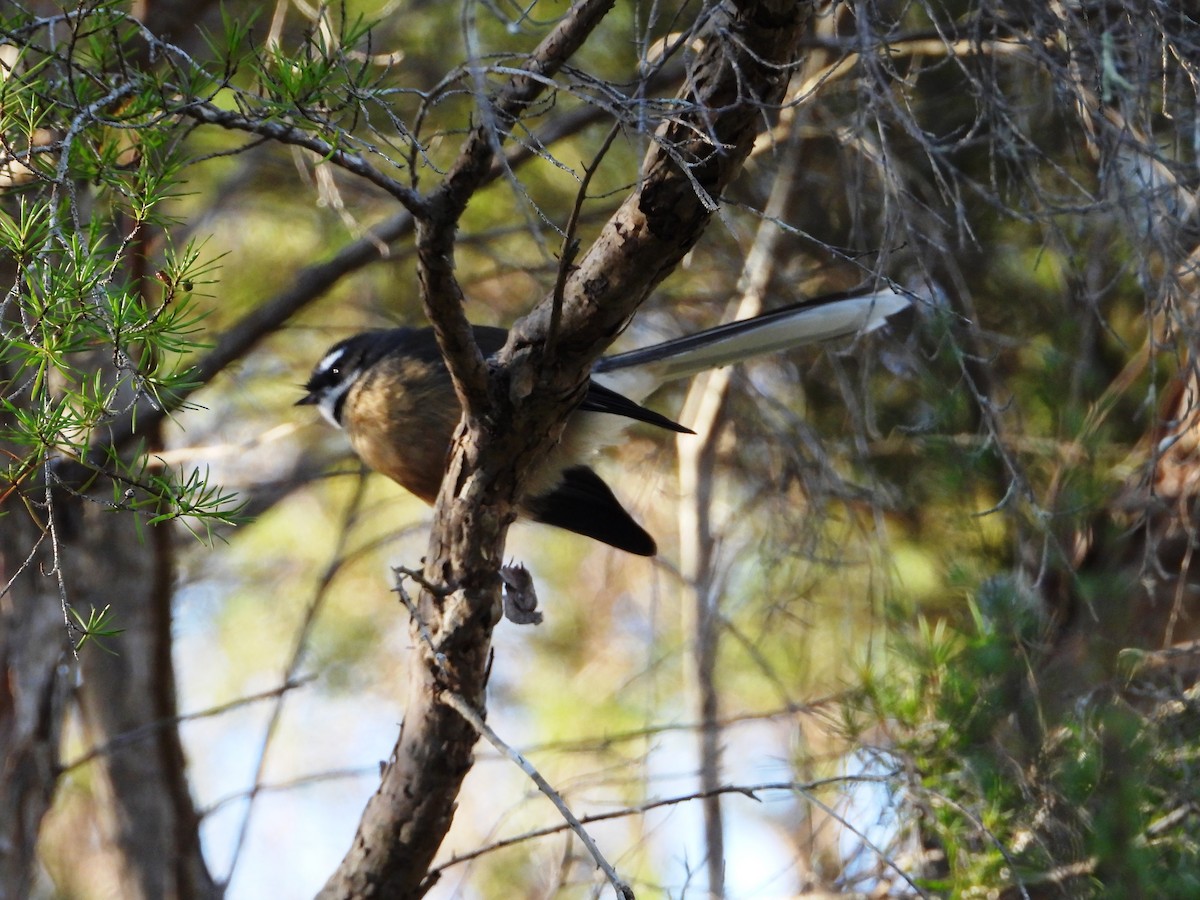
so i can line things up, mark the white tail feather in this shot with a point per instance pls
(637, 372)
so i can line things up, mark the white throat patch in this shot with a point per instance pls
(340, 382)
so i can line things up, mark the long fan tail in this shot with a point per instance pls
(584, 504)
(805, 323)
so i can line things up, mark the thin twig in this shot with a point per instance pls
(751, 791)
(472, 716)
(440, 291)
(56, 570)
(570, 243)
(291, 784)
(282, 133)
(414, 614)
(608, 741)
(151, 728)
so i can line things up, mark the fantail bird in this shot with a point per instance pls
(391, 393)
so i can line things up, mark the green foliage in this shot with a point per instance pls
(319, 76)
(95, 627)
(98, 324)
(1088, 805)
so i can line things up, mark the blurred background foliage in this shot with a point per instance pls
(888, 512)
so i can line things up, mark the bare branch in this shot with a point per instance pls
(283, 133)
(144, 731)
(463, 709)
(435, 239)
(751, 791)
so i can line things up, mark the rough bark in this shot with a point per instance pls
(129, 692)
(147, 813)
(37, 676)
(512, 414)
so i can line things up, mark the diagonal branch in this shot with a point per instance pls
(741, 71)
(283, 133)
(472, 715)
(440, 291)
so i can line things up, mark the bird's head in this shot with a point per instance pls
(338, 371)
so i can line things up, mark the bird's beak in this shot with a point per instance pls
(309, 399)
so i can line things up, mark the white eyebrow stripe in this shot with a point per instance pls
(330, 359)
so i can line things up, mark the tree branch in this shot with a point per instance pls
(741, 71)
(282, 133)
(435, 237)
(473, 716)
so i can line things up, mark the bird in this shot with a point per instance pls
(389, 390)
